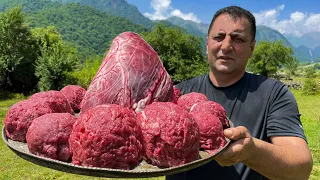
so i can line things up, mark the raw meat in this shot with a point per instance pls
(48, 136)
(207, 114)
(54, 99)
(21, 114)
(213, 108)
(74, 95)
(190, 99)
(131, 75)
(170, 134)
(107, 136)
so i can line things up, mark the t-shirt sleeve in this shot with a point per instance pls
(283, 116)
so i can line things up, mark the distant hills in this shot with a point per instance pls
(89, 29)
(92, 24)
(115, 7)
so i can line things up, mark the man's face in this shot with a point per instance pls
(229, 45)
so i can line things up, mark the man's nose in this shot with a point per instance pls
(226, 45)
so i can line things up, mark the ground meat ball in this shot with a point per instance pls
(190, 99)
(214, 108)
(55, 99)
(74, 95)
(211, 130)
(20, 116)
(107, 136)
(170, 134)
(48, 136)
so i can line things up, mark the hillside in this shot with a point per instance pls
(117, 8)
(89, 29)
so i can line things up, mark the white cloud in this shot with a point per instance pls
(298, 24)
(189, 16)
(163, 10)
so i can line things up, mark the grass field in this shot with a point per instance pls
(14, 167)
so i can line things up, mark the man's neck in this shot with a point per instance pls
(224, 80)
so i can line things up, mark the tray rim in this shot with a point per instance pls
(106, 172)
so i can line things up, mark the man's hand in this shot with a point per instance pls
(286, 157)
(239, 149)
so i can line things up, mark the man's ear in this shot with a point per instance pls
(252, 47)
(207, 45)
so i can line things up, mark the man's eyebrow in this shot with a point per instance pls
(237, 34)
(220, 33)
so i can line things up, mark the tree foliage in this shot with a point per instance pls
(268, 57)
(291, 67)
(179, 51)
(56, 61)
(84, 75)
(18, 52)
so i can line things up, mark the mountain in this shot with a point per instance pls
(265, 33)
(198, 29)
(310, 40)
(115, 7)
(86, 27)
(304, 53)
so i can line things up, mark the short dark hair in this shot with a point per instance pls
(237, 12)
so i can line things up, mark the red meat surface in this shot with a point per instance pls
(74, 95)
(206, 115)
(48, 136)
(170, 134)
(177, 94)
(131, 75)
(21, 114)
(190, 99)
(213, 108)
(107, 136)
(54, 99)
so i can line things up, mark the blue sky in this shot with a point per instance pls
(295, 17)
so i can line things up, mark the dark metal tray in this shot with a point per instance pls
(141, 171)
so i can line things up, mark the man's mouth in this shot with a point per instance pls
(225, 57)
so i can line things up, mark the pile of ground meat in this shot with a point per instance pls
(190, 99)
(211, 118)
(170, 134)
(107, 136)
(74, 95)
(48, 136)
(21, 114)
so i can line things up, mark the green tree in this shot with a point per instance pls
(179, 51)
(87, 71)
(268, 57)
(18, 52)
(57, 60)
(291, 67)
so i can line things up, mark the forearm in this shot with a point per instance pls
(280, 161)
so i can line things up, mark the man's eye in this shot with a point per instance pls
(218, 38)
(238, 40)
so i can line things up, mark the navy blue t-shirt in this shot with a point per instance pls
(264, 106)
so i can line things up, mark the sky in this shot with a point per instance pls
(294, 17)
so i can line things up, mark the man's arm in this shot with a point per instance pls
(286, 157)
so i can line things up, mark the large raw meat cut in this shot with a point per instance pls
(131, 75)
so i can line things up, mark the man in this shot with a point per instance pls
(268, 141)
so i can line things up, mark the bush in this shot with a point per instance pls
(86, 73)
(310, 87)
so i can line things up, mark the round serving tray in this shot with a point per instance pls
(143, 170)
